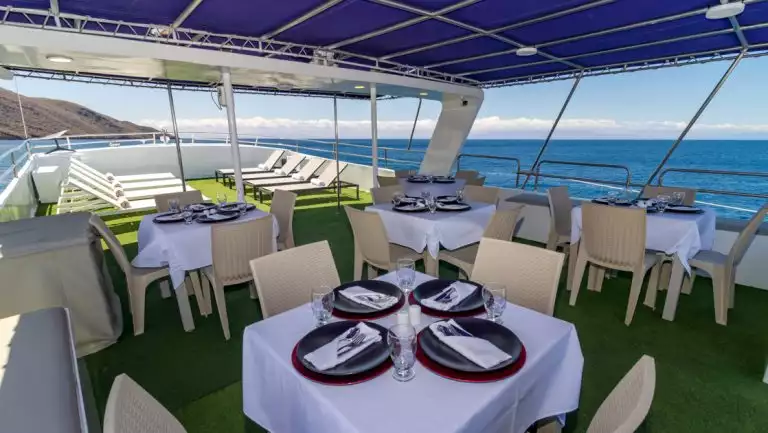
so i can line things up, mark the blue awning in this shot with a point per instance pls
(472, 41)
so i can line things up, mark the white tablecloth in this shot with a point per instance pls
(422, 229)
(682, 235)
(181, 247)
(281, 400)
(436, 189)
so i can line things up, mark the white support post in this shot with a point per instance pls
(176, 137)
(374, 137)
(229, 100)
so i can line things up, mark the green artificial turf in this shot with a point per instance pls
(708, 376)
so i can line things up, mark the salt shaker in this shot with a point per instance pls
(414, 314)
(402, 317)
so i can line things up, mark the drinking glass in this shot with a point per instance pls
(460, 195)
(221, 198)
(188, 216)
(401, 340)
(494, 300)
(397, 198)
(406, 275)
(678, 198)
(173, 205)
(612, 196)
(432, 204)
(662, 201)
(322, 305)
(426, 195)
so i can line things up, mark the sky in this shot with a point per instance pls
(653, 104)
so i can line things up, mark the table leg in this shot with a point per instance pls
(673, 290)
(184, 309)
(430, 264)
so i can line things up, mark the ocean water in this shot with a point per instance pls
(640, 157)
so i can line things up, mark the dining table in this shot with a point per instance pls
(183, 248)
(680, 236)
(278, 398)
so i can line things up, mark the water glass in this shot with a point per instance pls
(322, 305)
(406, 275)
(188, 217)
(221, 198)
(460, 195)
(612, 197)
(397, 198)
(432, 204)
(426, 195)
(173, 205)
(401, 340)
(662, 201)
(494, 300)
(678, 198)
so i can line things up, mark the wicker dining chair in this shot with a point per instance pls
(650, 191)
(284, 280)
(131, 409)
(384, 194)
(482, 194)
(282, 207)
(233, 246)
(501, 226)
(614, 237)
(560, 206)
(187, 197)
(530, 274)
(404, 173)
(372, 247)
(627, 406)
(466, 174)
(385, 181)
(137, 279)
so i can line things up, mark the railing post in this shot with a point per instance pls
(29, 148)
(13, 165)
(297, 146)
(69, 144)
(386, 162)
(154, 138)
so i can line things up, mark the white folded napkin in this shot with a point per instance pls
(297, 176)
(375, 300)
(481, 352)
(262, 166)
(450, 296)
(317, 182)
(337, 351)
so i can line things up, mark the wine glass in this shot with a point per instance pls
(460, 195)
(322, 305)
(221, 198)
(173, 205)
(406, 275)
(494, 300)
(188, 216)
(397, 198)
(612, 196)
(401, 340)
(432, 204)
(678, 198)
(425, 195)
(662, 201)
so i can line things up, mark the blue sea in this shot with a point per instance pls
(639, 156)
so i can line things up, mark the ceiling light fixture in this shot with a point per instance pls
(725, 10)
(359, 87)
(526, 51)
(423, 94)
(55, 58)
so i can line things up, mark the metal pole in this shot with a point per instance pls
(696, 116)
(415, 120)
(21, 109)
(336, 152)
(229, 99)
(552, 130)
(374, 137)
(176, 136)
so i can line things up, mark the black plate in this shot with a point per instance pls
(447, 199)
(342, 303)
(418, 179)
(442, 207)
(369, 358)
(616, 203)
(683, 209)
(199, 207)
(501, 337)
(431, 288)
(169, 218)
(410, 210)
(223, 218)
(232, 208)
(444, 180)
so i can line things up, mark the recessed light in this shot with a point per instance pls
(725, 10)
(526, 51)
(55, 58)
(359, 87)
(423, 94)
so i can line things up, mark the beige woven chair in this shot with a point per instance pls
(722, 267)
(372, 245)
(385, 181)
(501, 226)
(530, 274)
(184, 198)
(467, 174)
(283, 204)
(131, 409)
(560, 206)
(233, 246)
(482, 194)
(384, 194)
(476, 181)
(654, 191)
(614, 238)
(626, 407)
(285, 279)
(137, 279)
(404, 173)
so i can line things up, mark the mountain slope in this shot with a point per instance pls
(47, 116)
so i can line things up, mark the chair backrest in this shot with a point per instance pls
(746, 236)
(482, 194)
(291, 163)
(234, 245)
(370, 236)
(404, 173)
(284, 280)
(309, 169)
(184, 198)
(560, 206)
(114, 245)
(328, 176)
(650, 191)
(502, 225)
(626, 407)
(283, 203)
(466, 174)
(384, 194)
(272, 159)
(530, 274)
(613, 236)
(476, 181)
(131, 409)
(387, 181)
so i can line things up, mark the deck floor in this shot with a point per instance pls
(708, 376)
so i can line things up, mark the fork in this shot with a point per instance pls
(354, 343)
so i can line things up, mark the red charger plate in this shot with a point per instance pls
(445, 314)
(338, 380)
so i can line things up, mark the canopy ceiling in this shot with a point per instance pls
(470, 42)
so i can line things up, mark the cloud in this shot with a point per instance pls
(484, 127)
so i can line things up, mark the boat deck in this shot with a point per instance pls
(708, 376)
